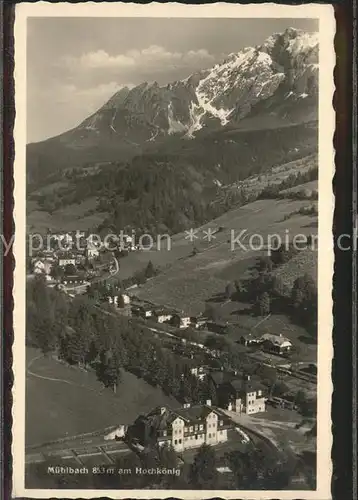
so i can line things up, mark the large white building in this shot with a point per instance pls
(184, 428)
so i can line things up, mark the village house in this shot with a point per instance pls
(119, 300)
(181, 320)
(277, 344)
(92, 251)
(42, 266)
(66, 259)
(80, 257)
(200, 372)
(129, 242)
(250, 340)
(247, 397)
(238, 392)
(199, 323)
(145, 310)
(183, 428)
(74, 281)
(118, 433)
(163, 315)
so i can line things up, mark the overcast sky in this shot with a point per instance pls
(75, 64)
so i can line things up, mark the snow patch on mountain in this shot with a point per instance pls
(302, 43)
(92, 122)
(174, 126)
(112, 121)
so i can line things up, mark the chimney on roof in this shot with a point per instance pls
(186, 405)
(162, 410)
(247, 377)
(208, 402)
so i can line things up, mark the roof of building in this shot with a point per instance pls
(220, 376)
(181, 314)
(72, 278)
(245, 386)
(163, 312)
(194, 413)
(143, 307)
(251, 336)
(237, 380)
(66, 256)
(160, 418)
(277, 340)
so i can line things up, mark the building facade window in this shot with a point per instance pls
(201, 427)
(164, 433)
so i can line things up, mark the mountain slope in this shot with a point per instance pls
(269, 86)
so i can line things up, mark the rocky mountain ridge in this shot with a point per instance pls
(269, 86)
(216, 97)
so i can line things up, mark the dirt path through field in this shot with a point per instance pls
(64, 381)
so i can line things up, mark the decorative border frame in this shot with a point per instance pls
(7, 228)
(344, 417)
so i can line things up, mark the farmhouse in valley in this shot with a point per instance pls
(119, 300)
(163, 315)
(181, 320)
(182, 428)
(277, 344)
(144, 310)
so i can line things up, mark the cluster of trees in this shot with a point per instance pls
(158, 191)
(81, 334)
(293, 180)
(301, 194)
(269, 293)
(311, 210)
(259, 469)
(140, 277)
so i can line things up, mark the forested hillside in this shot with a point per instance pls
(175, 187)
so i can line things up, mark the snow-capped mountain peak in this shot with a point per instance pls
(286, 63)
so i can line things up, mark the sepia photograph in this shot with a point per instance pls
(173, 210)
